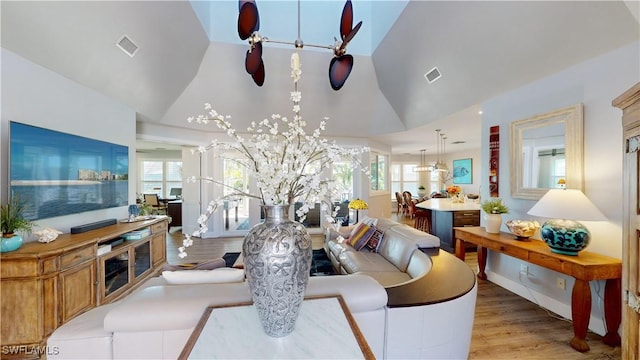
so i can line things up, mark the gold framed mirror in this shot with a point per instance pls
(545, 148)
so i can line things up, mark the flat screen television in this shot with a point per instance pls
(55, 174)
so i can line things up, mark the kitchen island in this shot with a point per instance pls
(445, 215)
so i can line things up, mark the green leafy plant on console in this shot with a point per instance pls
(494, 206)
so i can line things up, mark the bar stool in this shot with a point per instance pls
(423, 220)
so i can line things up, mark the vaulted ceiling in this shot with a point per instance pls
(189, 54)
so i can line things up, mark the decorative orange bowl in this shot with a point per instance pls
(523, 229)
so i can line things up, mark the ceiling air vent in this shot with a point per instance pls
(433, 75)
(129, 47)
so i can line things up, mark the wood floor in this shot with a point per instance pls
(506, 325)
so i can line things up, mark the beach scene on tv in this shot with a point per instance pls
(55, 174)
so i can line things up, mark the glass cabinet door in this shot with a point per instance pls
(116, 272)
(142, 259)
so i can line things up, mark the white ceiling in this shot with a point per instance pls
(482, 49)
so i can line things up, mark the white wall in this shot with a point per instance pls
(595, 84)
(37, 96)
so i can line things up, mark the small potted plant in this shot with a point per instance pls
(145, 209)
(493, 210)
(12, 220)
(422, 191)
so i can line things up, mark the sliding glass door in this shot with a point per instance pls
(236, 209)
(240, 213)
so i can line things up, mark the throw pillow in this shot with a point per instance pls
(375, 240)
(358, 233)
(219, 275)
(360, 244)
(356, 228)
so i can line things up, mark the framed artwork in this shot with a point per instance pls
(494, 158)
(462, 171)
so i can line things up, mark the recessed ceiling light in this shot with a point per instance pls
(479, 112)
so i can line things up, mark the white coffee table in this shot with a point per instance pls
(325, 329)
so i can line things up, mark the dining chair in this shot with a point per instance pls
(401, 204)
(409, 204)
(158, 206)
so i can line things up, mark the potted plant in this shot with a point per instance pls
(493, 210)
(422, 191)
(12, 220)
(145, 209)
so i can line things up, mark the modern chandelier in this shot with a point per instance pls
(341, 63)
(440, 165)
(423, 165)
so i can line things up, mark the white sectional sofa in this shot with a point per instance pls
(156, 321)
(395, 261)
(426, 315)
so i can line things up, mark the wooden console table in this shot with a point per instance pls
(585, 267)
(44, 285)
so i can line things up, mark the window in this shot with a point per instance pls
(343, 174)
(235, 177)
(403, 178)
(378, 172)
(436, 181)
(236, 210)
(310, 168)
(159, 176)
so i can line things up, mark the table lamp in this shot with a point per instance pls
(562, 235)
(358, 205)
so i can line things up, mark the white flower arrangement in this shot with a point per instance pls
(287, 163)
(331, 218)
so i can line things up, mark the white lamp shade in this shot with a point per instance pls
(566, 204)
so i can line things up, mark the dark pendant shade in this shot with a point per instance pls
(258, 76)
(248, 20)
(351, 34)
(254, 59)
(339, 70)
(346, 21)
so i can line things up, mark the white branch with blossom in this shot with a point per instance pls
(287, 163)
